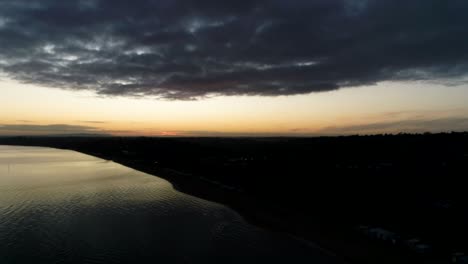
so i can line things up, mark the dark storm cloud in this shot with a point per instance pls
(185, 49)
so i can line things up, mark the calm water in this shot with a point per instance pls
(59, 206)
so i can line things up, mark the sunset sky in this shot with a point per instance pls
(231, 68)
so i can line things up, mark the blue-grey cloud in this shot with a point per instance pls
(55, 129)
(93, 122)
(185, 49)
(421, 125)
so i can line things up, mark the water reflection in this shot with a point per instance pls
(60, 206)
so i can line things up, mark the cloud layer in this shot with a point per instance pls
(55, 129)
(447, 124)
(186, 49)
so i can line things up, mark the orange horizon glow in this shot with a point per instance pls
(383, 108)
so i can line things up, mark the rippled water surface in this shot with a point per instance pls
(59, 206)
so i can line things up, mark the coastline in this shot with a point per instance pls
(339, 243)
(254, 212)
(333, 239)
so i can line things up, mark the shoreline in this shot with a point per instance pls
(264, 216)
(250, 209)
(342, 243)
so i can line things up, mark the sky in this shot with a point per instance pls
(233, 68)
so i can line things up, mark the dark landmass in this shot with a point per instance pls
(369, 199)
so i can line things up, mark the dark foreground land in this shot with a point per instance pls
(368, 199)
